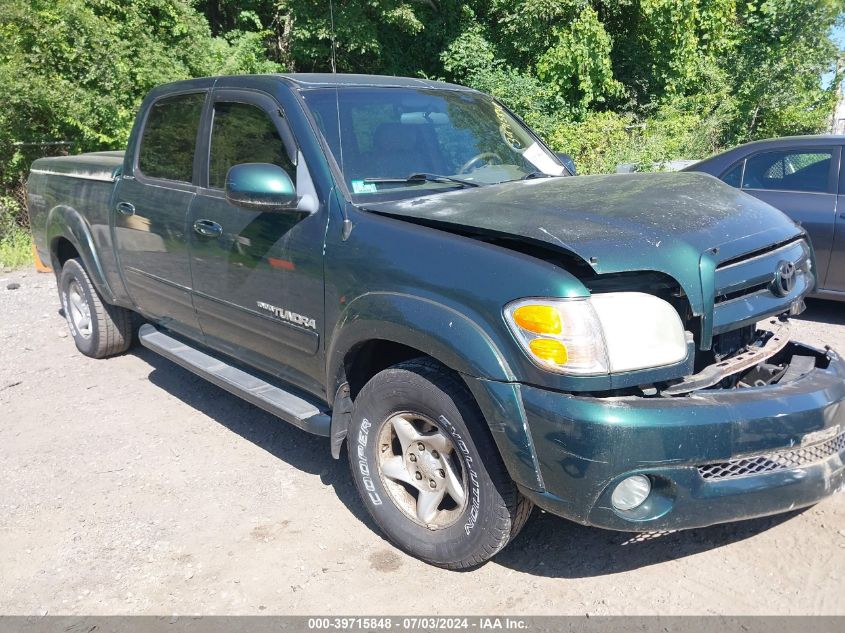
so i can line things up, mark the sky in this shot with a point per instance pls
(837, 34)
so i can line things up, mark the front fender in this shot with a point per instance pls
(457, 342)
(431, 327)
(66, 222)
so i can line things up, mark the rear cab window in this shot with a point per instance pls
(169, 138)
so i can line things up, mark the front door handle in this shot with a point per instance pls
(126, 208)
(207, 228)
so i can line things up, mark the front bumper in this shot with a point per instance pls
(585, 446)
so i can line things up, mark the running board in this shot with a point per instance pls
(284, 404)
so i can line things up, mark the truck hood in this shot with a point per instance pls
(674, 223)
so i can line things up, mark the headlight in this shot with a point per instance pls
(605, 333)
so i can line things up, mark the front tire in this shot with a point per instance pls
(428, 470)
(98, 328)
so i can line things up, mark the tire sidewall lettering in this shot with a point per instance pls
(472, 475)
(490, 511)
(364, 464)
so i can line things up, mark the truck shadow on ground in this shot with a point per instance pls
(822, 311)
(554, 547)
(548, 546)
(304, 451)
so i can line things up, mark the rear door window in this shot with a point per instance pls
(169, 140)
(789, 170)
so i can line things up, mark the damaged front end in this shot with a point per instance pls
(759, 431)
(754, 428)
(741, 333)
(769, 358)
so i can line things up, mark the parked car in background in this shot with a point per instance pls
(802, 176)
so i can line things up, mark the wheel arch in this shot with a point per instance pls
(432, 328)
(69, 235)
(380, 330)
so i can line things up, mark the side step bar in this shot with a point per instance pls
(281, 403)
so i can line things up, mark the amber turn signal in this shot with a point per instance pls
(540, 319)
(549, 350)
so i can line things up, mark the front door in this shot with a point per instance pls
(257, 276)
(151, 210)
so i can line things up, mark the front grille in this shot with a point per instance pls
(781, 460)
(754, 272)
(745, 290)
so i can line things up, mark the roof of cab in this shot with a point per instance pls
(307, 81)
(330, 80)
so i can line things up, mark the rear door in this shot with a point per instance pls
(151, 208)
(801, 182)
(257, 276)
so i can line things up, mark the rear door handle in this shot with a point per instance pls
(207, 228)
(126, 208)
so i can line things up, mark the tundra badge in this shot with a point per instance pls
(287, 315)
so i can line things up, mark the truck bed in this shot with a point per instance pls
(91, 166)
(84, 184)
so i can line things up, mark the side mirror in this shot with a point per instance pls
(568, 163)
(260, 187)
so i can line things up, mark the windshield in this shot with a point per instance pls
(388, 140)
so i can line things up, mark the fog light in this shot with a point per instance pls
(631, 492)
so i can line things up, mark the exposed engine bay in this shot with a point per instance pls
(763, 357)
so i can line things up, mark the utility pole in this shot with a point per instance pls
(837, 121)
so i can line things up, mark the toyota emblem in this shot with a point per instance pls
(784, 280)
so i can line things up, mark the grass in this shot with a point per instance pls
(15, 248)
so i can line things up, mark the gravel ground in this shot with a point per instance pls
(129, 486)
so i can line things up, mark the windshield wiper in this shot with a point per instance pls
(425, 177)
(538, 174)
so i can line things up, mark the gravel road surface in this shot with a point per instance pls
(129, 486)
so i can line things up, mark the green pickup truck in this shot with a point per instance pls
(404, 267)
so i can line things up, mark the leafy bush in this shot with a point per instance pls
(598, 143)
(15, 240)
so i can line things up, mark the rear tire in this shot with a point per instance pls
(428, 470)
(98, 328)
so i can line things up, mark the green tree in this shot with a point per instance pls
(76, 70)
(713, 72)
(780, 49)
(578, 64)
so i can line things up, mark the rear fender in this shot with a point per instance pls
(66, 222)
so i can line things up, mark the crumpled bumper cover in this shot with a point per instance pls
(586, 446)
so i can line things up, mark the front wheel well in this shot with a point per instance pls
(369, 358)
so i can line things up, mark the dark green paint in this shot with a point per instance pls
(588, 445)
(683, 225)
(434, 273)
